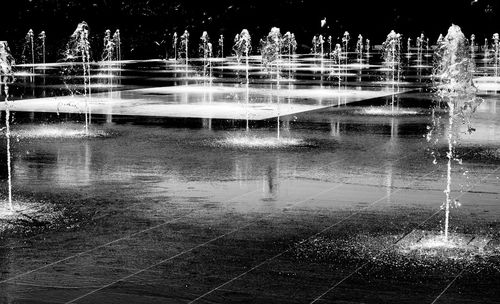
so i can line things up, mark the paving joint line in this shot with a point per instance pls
(111, 242)
(322, 231)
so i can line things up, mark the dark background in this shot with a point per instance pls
(146, 24)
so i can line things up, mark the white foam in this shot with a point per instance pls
(254, 141)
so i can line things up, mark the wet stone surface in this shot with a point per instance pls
(346, 206)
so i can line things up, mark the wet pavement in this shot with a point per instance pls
(344, 208)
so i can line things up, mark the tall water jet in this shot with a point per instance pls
(78, 50)
(359, 48)
(289, 44)
(321, 42)
(174, 44)
(337, 58)
(205, 49)
(243, 47)
(289, 48)
(345, 44)
(30, 43)
(43, 37)
(427, 47)
(391, 52)
(271, 53)
(185, 45)
(330, 46)
(408, 48)
(345, 41)
(221, 46)
(367, 49)
(453, 81)
(486, 51)
(315, 45)
(496, 50)
(108, 47)
(118, 45)
(472, 46)
(6, 77)
(28, 54)
(420, 47)
(109, 53)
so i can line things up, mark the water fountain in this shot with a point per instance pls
(108, 47)
(337, 59)
(496, 50)
(205, 49)
(472, 46)
(78, 50)
(221, 46)
(486, 52)
(420, 48)
(359, 48)
(43, 37)
(271, 53)
(174, 45)
(243, 47)
(408, 48)
(28, 54)
(6, 77)
(427, 48)
(184, 46)
(118, 45)
(330, 46)
(453, 74)
(391, 49)
(345, 41)
(30, 44)
(345, 44)
(315, 45)
(321, 43)
(289, 44)
(367, 49)
(108, 55)
(289, 48)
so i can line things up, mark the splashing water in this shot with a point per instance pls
(28, 54)
(30, 216)
(289, 44)
(221, 46)
(453, 73)
(392, 59)
(205, 50)
(57, 131)
(78, 51)
(174, 44)
(447, 191)
(359, 48)
(118, 45)
(383, 111)
(271, 54)
(256, 142)
(336, 68)
(243, 47)
(43, 37)
(6, 77)
(109, 47)
(419, 250)
(184, 46)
